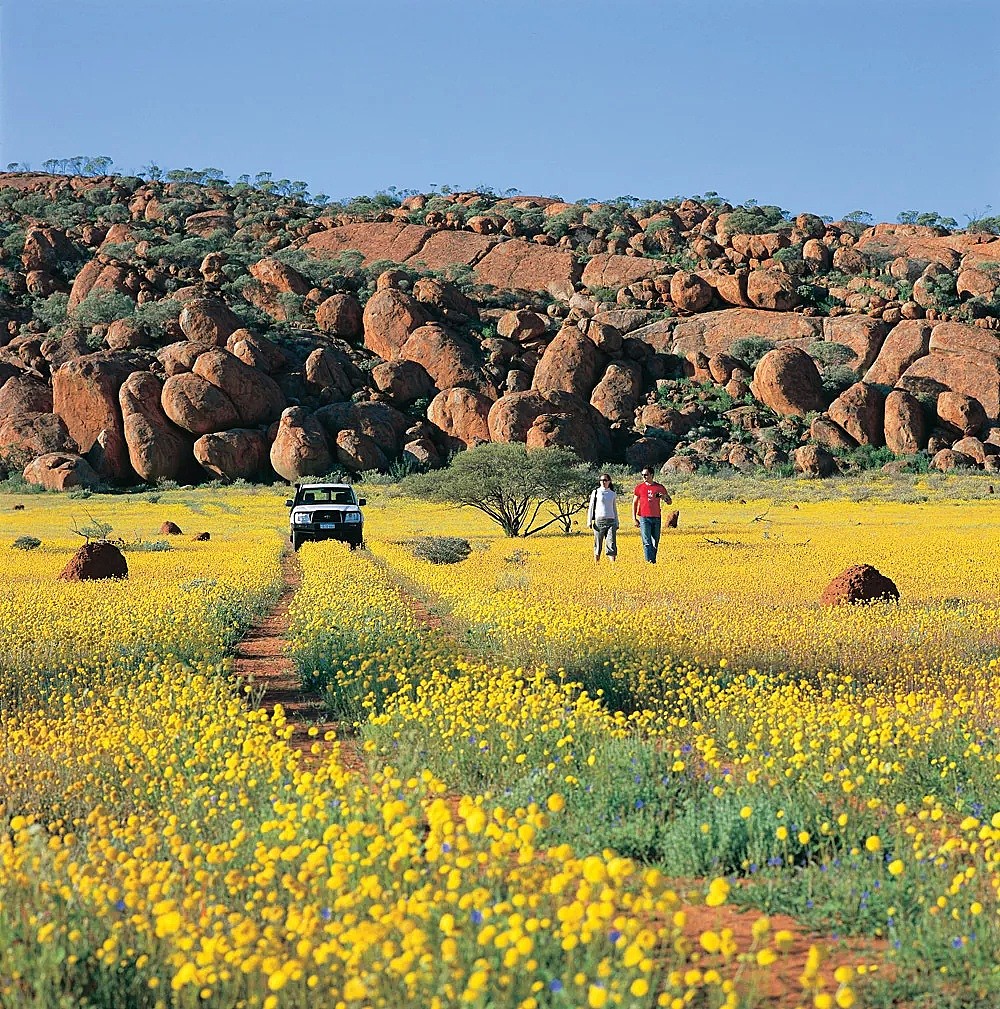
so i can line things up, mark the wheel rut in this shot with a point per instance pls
(262, 662)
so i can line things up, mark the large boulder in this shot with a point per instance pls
(46, 249)
(689, 292)
(177, 358)
(359, 453)
(445, 299)
(813, 460)
(946, 459)
(390, 317)
(256, 351)
(511, 416)
(324, 373)
(786, 380)
(340, 315)
(830, 435)
(617, 394)
(375, 241)
(22, 394)
(905, 427)
(257, 397)
(462, 415)
(300, 447)
(582, 430)
(448, 358)
(208, 320)
(715, 332)
(523, 265)
(384, 423)
(906, 343)
(33, 434)
(961, 359)
(85, 395)
(402, 381)
(239, 454)
(771, 290)
(860, 583)
(157, 449)
(95, 562)
(570, 364)
(961, 414)
(97, 277)
(521, 325)
(196, 405)
(860, 411)
(613, 271)
(283, 278)
(61, 471)
(861, 334)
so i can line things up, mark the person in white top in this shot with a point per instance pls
(602, 517)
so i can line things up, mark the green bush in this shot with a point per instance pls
(750, 349)
(26, 543)
(751, 219)
(441, 549)
(830, 354)
(103, 307)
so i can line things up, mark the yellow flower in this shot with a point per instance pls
(597, 996)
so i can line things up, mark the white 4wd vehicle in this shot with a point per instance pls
(326, 511)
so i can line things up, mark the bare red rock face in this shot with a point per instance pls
(94, 562)
(860, 583)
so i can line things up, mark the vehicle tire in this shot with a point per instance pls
(296, 540)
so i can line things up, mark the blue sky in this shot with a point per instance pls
(829, 107)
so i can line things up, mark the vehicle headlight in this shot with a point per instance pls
(353, 517)
(300, 518)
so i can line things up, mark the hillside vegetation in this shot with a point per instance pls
(188, 327)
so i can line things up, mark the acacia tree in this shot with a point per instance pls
(511, 484)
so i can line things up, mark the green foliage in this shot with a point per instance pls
(790, 255)
(141, 546)
(509, 484)
(837, 378)
(559, 225)
(154, 316)
(928, 219)
(102, 307)
(941, 287)
(441, 549)
(983, 222)
(51, 311)
(751, 219)
(830, 354)
(750, 349)
(26, 543)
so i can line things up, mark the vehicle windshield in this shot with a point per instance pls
(327, 495)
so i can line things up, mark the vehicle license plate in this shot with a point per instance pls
(328, 525)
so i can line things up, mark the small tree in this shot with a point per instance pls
(564, 486)
(508, 483)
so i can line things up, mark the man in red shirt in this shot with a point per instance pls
(646, 511)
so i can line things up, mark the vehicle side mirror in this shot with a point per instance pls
(362, 501)
(289, 502)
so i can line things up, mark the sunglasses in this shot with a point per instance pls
(605, 479)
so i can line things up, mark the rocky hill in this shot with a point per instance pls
(156, 330)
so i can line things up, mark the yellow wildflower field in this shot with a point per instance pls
(570, 782)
